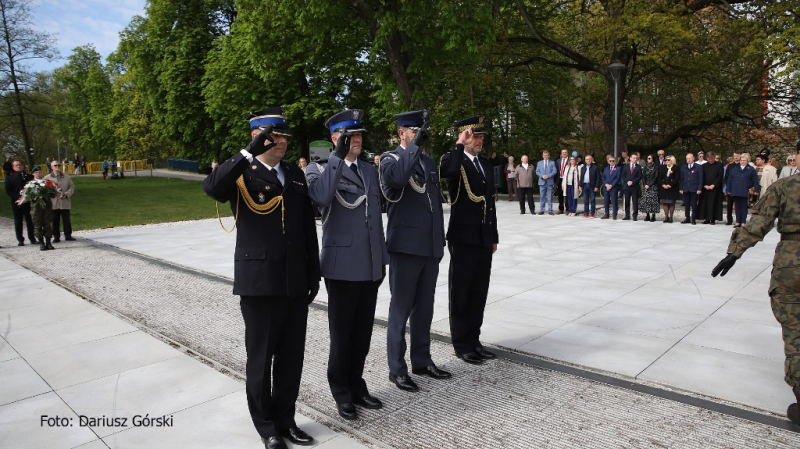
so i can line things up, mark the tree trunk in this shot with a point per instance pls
(19, 111)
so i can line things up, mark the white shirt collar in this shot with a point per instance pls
(348, 163)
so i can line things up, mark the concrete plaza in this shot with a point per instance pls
(635, 299)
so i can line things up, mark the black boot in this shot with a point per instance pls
(42, 246)
(793, 412)
(48, 244)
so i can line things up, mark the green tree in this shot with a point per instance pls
(19, 43)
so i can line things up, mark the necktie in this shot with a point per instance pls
(563, 164)
(690, 166)
(354, 167)
(478, 167)
(631, 168)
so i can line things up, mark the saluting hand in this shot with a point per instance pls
(342, 145)
(422, 135)
(259, 143)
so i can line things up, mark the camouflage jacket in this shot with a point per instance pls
(781, 201)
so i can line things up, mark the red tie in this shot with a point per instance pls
(631, 168)
(563, 163)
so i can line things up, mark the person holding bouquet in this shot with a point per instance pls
(39, 193)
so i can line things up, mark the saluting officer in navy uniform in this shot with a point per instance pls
(471, 237)
(353, 257)
(415, 239)
(276, 270)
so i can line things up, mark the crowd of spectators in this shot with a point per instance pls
(635, 188)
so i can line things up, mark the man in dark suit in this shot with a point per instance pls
(561, 166)
(660, 160)
(590, 183)
(726, 174)
(415, 240)
(472, 237)
(276, 270)
(354, 257)
(15, 181)
(611, 180)
(630, 177)
(691, 187)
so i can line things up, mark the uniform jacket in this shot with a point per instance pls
(416, 220)
(468, 226)
(594, 175)
(628, 175)
(353, 243)
(524, 177)
(691, 179)
(548, 168)
(778, 202)
(67, 187)
(612, 175)
(740, 180)
(268, 262)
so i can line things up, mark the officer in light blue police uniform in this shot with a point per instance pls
(353, 257)
(415, 238)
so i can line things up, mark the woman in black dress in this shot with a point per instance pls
(649, 201)
(667, 183)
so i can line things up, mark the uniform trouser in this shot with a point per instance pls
(43, 221)
(546, 197)
(60, 215)
(785, 298)
(275, 338)
(20, 213)
(412, 280)
(631, 195)
(512, 189)
(470, 268)
(690, 205)
(612, 198)
(588, 199)
(351, 311)
(526, 194)
(741, 208)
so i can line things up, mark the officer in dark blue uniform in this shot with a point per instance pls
(276, 270)
(471, 237)
(353, 257)
(415, 239)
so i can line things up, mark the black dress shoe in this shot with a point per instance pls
(21, 244)
(70, 239)
(368, 401)
(297, 436)
(403, 382)
(713, 222)
(56, 240)
(432, 371)
(728, 223)
(634, 218)
(686, 221)
(347, 410)
(694, 222)
(471, 357)
(275, 442)
(706, 222)
(626, 218)
(486, 355)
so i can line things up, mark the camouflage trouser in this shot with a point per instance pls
(42, 221)
(785, 294)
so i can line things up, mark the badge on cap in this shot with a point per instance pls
(261, 197)
(253, 167)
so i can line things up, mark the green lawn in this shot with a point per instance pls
(135, 201)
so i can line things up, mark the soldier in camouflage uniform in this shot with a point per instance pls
(42, 218)
(779, 201)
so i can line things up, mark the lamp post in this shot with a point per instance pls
(616, 68)
(133, 133)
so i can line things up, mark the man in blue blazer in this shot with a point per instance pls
(691, 187)
(612, 176)
(590, 183)
(546, 171)
(631, 176)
